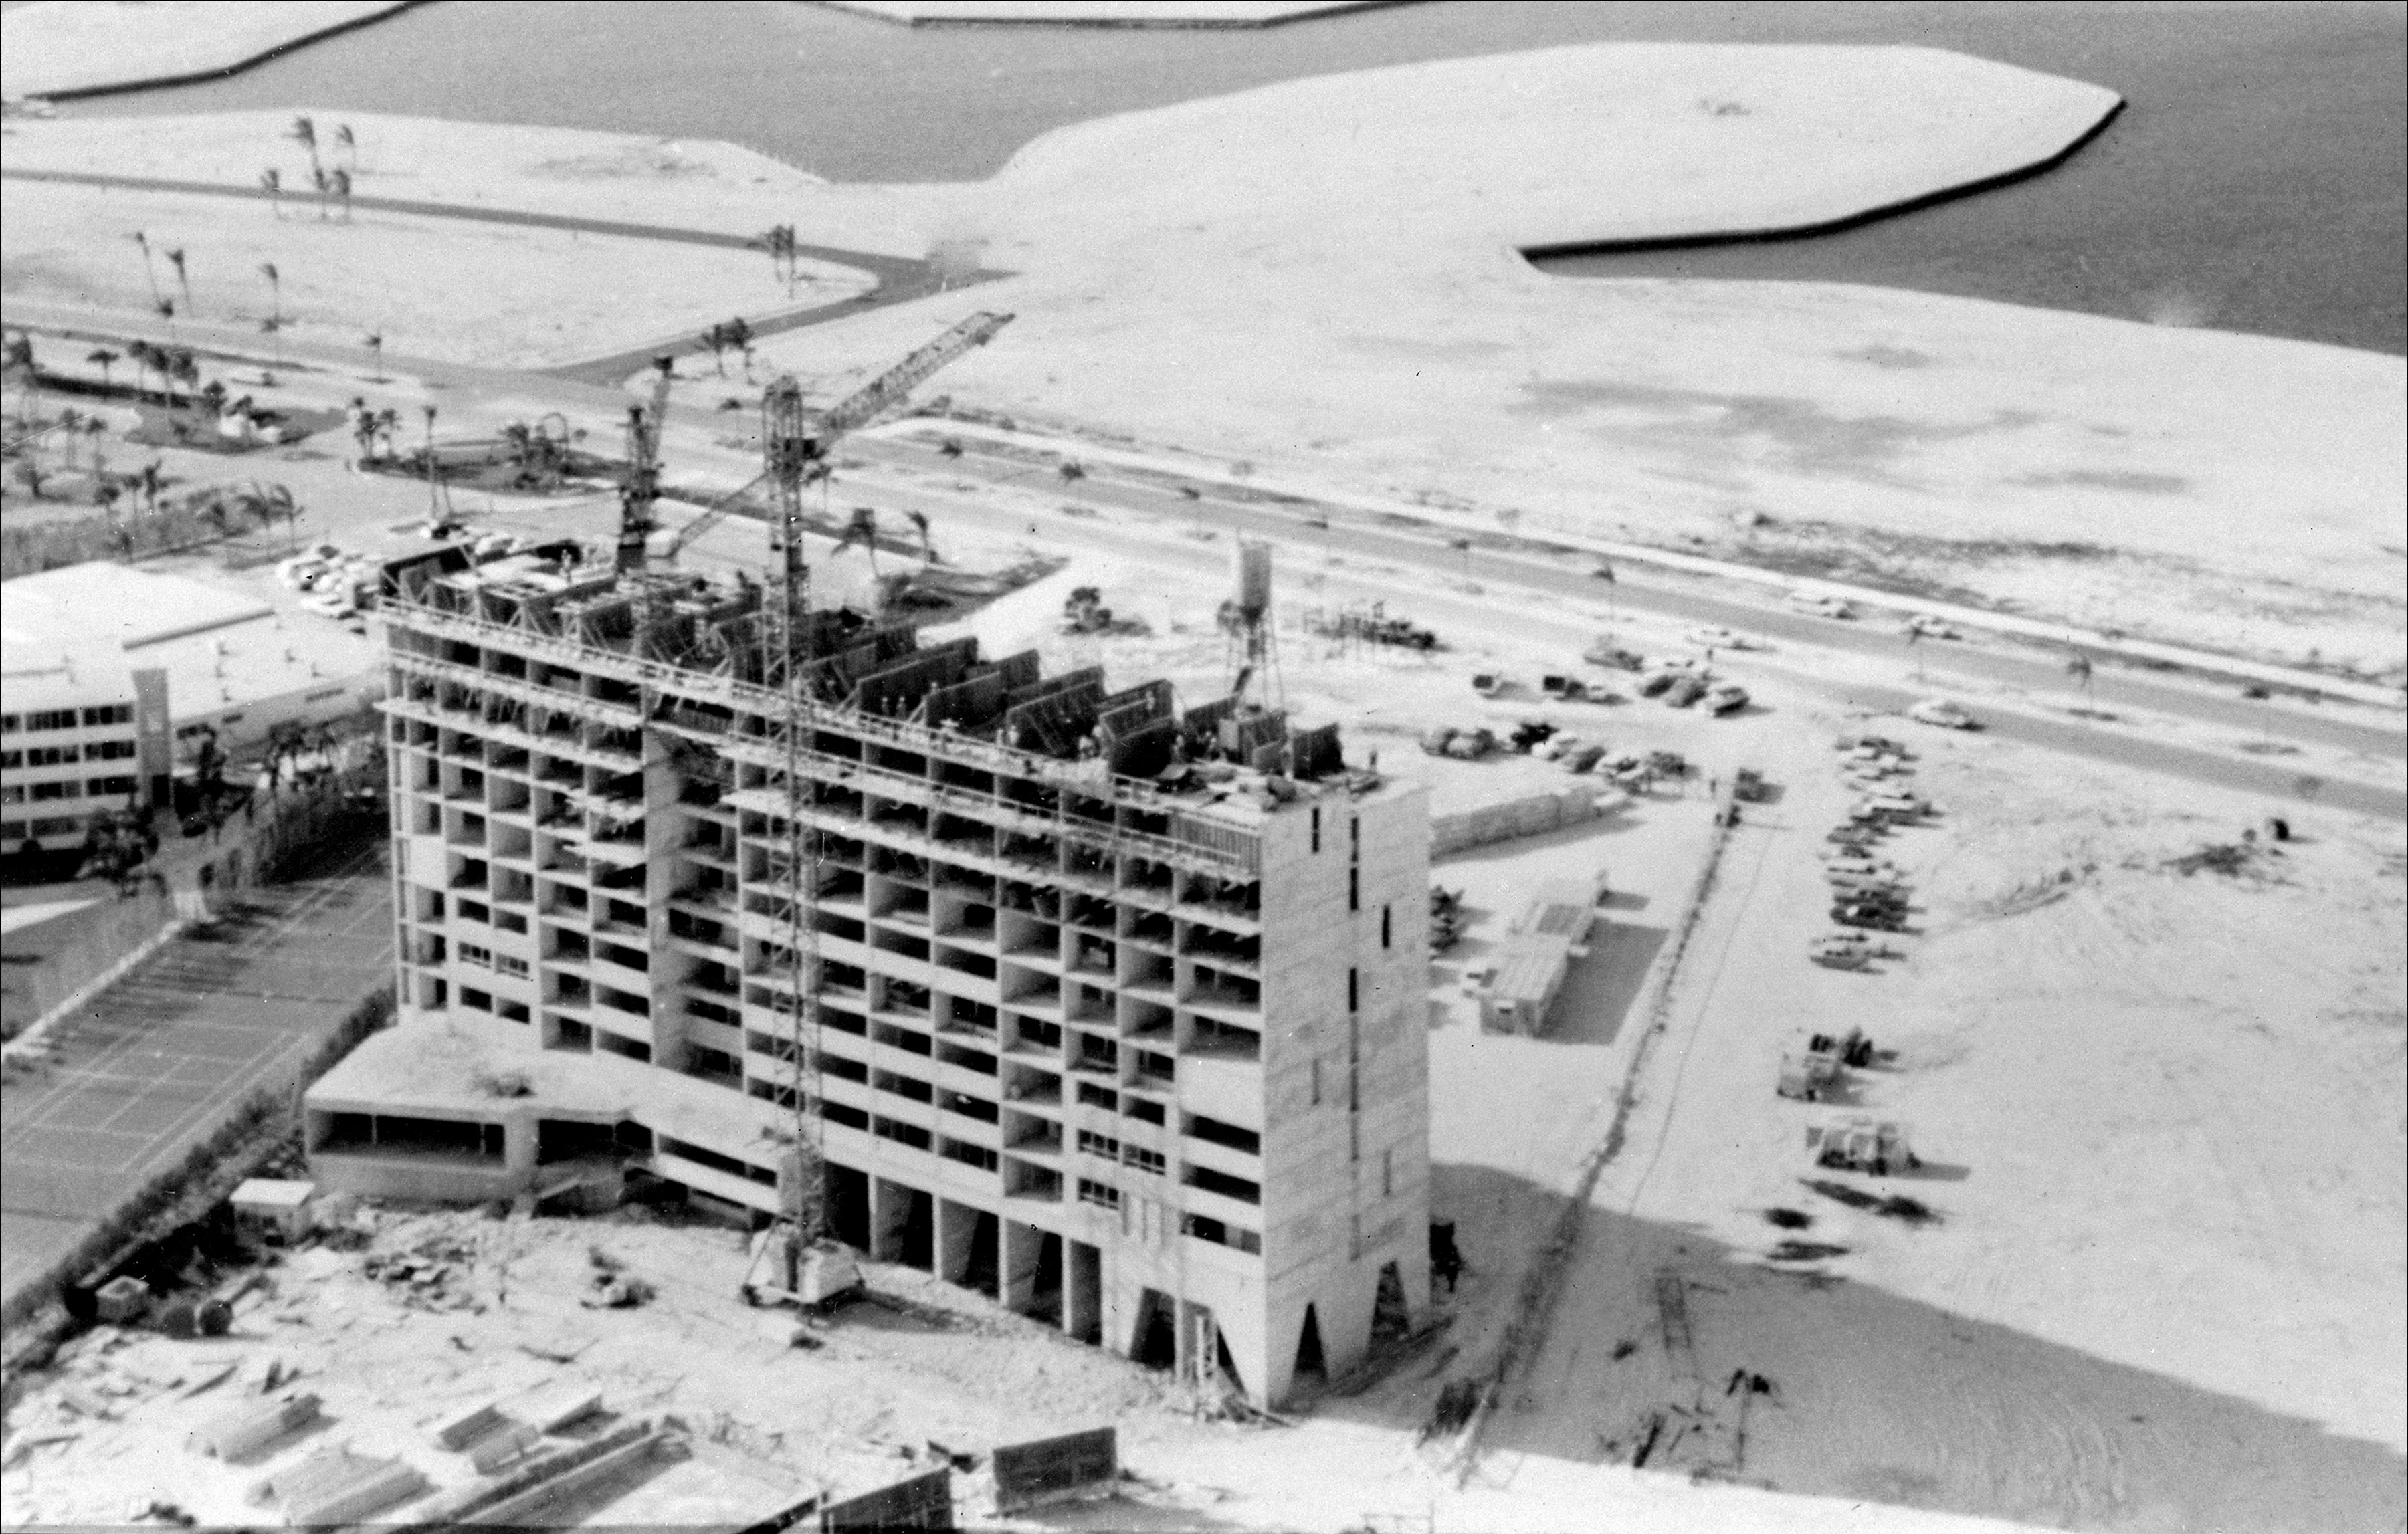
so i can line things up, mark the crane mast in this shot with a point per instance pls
(788, 449)
(814, 434)
(642, 486)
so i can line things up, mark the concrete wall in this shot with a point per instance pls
(1347, 1091)
(1527, 816)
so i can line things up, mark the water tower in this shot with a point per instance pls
(1246, 618)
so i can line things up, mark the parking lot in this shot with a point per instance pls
(157, 1061)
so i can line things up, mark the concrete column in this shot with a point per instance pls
(518, 1148)
(890, 1210)
(1082, 1290)
(1275, 1374)
(1018, 1265)
(1345, 1313)
(956, 1224)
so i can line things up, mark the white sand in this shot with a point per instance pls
(76, 45)
(1161, 13)
(445, 289)
(1319, 276)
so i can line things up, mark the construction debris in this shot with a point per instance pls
(334, 1487)
(246, 1429)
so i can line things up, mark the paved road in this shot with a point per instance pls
(160, 1059)
(2031, 726)
(2380, 744)
(900, 280)
(2112, 687)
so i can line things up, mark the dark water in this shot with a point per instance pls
(2256, 182)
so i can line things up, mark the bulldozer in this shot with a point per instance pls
(1861, 1145)
(811, 1276)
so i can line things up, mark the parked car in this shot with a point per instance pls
(1726, 701)
(1869, 915)
(1940, 712)
(1684, 691)
(1827, 607)
(1714, 638)
(1606, 652)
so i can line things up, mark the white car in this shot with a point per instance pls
(331, 604)
(1940, 712)
(1719, 638)
(1822, 607)
(1931, 627)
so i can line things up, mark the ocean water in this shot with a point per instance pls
(2254, 182)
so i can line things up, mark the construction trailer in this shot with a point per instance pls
(1517, 987)
(1107, 1008)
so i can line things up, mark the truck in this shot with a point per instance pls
(1861, 1145)
(1606, 652)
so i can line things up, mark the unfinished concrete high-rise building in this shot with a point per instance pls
(1111, 1009)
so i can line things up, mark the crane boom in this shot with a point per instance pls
(860, 405)
(712, 516)
(907, 375)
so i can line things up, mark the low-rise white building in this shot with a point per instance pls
(102, 666)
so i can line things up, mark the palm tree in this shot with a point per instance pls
(739, 339)
(275, 293)
(305, 133)
(343, 179)
(139, 354)
(715, 341)
(19, 359)
(149, 482)
(30, 475)
(214, 396)
(374, 343)
(104, 494)
(862, 529)
(94, 427)
(350, 146)
(184, 368)
(103, 359)
(388, 421)
(149, 272)
(183, 284)
(266, 504)
(70, 429)
(271, 181)
(919, 525)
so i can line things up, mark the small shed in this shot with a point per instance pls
(274, 1209)
(1518, 987)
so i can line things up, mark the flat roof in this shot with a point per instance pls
(75, 636)
(94, 608)
(1527, 969)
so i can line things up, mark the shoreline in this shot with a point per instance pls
(1018, 18)
(250, 61)
(1774, 234)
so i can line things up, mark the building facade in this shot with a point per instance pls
(1114, 1012)
(109, 673)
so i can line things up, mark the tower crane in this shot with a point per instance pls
(805, 445)
(642, 486)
